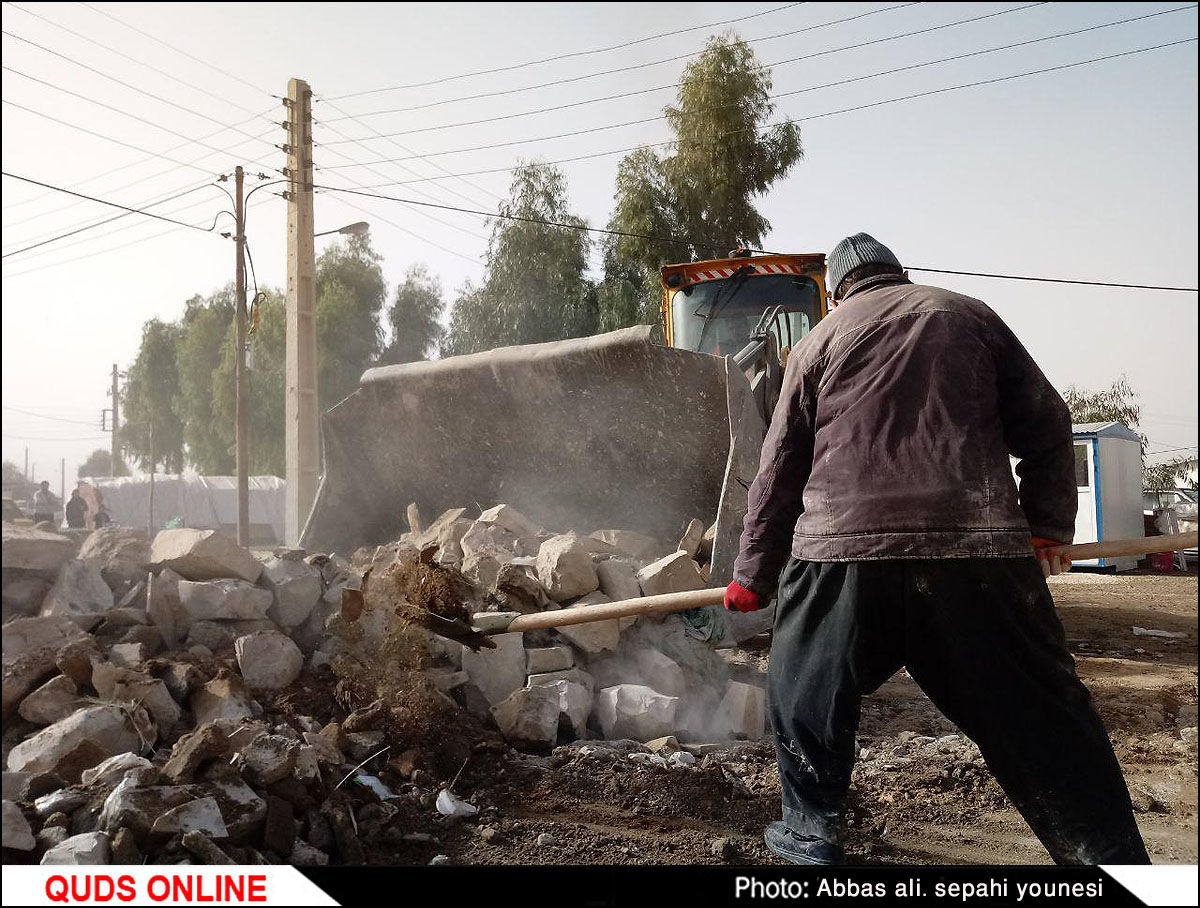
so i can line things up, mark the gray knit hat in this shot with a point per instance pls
(854, 252)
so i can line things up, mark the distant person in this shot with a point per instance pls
(76, 511)
(44, 503)
(102, 518)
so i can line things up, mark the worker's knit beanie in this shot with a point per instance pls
(854, 252)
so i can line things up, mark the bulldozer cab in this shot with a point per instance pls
(718, 306)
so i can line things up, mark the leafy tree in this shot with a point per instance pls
(414, 318)
(99, 463)
(700, 198)
(1170, 474)
(534, 288)
(152, 431)
(204, 330)
(15, 483)
(351, 292)
(1117, 403)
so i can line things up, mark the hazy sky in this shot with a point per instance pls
(1087, 172)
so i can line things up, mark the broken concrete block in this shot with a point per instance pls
(202, 555)
(124, 685)
(510, 519)
(635, 711)
(86, 848)
(80, 594)
(565, 568)
(28, 549)
(221, 698)
(743, 710)
(16, 785)
(268, 660)
(639, 546)
(519, 590)
(528, 717)
(268, 758)
(674, 573)
(618, 579)
(202, 814)
(482, 566)
(137, 806)
(23, 593)
(242, 809)
(121, 554)
(17, 834)
(131, 655)
(594, 636)
(112, 770)
(163, 607)
(226, 600)
(497, 672)
(658, 671)
(112, 729)
(192, 751)
(548, 659)
(575, 702)
(297, 589)
(54, 700)
(446, 681)
(30, 646)
(692, 539)
(574, 675)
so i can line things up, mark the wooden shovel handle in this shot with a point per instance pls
(1116, 548)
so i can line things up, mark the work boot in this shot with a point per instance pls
(801, 849)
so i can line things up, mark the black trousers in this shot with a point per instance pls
(981, 638)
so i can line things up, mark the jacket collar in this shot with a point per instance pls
(875, 280)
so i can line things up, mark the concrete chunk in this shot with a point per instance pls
(54, 700)
(548, 659)
(121, 554)
(635, 711)
(297, 589)
(163, 607)
(224, 600)
(675, 573)
(27, 549)
(528, 717)
(618, 579)
(112, 729)
(565, 568)
(124, 685)
(203, 555)
(80, 594)
(692, 539)
(743, 710)
(641, 547)
(659, 671)
(575, 702)
(268, 660)
(202, 814)
(113, 769)
(497, 672)
(593, 636)
(17, 834)
(30, 646)
(86, 848)
(221, 698)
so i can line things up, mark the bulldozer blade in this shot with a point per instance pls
(604, 432)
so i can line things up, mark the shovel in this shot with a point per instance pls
(491, 623)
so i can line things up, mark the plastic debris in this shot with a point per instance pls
(450, 806)
(373, 782)
(1154, 632)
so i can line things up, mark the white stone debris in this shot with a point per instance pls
(268, 660)
(202, 555)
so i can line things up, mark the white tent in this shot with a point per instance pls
(202, 502)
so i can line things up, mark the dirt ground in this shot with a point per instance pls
(921, 793)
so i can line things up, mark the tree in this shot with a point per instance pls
(15, 483)
(204, 332)
(152, 430)
(1117, 403)
(99, 463)
(699, 200)
(414, 318)
(1170, 474)
(351, 292)
(534, 288)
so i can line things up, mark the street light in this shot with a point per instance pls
(358, 228)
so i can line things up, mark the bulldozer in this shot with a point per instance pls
(643, 428)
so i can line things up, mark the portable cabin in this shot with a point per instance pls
(1108, 478)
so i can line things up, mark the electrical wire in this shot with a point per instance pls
(780, 95)
(566, 56)
(79, 422)
(1054, 280)
(48, 438)
(140, 211)
(831, 113)
(643, 91)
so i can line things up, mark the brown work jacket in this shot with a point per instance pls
(892, 436)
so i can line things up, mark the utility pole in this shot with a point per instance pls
(116, 423)
(242, 424)
(62, 485)
(27, 464)
(302, 438)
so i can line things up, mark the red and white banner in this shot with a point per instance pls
(160, 885)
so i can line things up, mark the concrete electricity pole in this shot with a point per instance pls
(302, 438)
(116, 422)
(242, 416)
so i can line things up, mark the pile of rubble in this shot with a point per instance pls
(182, 699)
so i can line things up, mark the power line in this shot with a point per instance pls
(775, 97)
(831, 113)
(581, 53)
(149, 214)
(415, 235)
(1171, 451)
(639, 66)
(79, 422)
(63, 236)
(694, 243)
(48, 438)
(643, 91)
(1055, 280)
(177, 50)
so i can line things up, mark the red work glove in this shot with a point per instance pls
(1051, 564)
(740, 599)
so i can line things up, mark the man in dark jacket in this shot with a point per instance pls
(886, 473)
